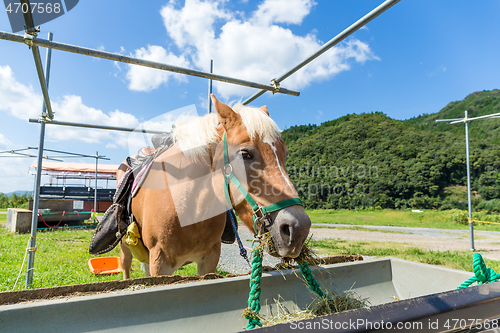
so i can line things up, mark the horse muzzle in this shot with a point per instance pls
(289, 230)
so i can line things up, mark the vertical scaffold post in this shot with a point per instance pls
(210, 87)
(95, 186)
(36, 188)
(471, 225)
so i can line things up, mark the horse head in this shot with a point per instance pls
(255, 141)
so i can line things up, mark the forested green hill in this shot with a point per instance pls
(477, 104)
(371, 160)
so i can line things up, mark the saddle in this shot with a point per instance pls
(117, 218)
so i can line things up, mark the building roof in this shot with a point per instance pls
(77, 170)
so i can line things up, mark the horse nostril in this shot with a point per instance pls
(285, 233)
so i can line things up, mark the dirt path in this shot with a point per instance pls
(487, 243)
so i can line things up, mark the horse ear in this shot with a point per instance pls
(264, 108)
(224, 112)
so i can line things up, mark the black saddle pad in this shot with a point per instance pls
(109, 231)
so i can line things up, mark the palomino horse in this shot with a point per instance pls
(168, 197)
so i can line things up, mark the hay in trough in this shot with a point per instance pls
(348, 300)
(285, 315)
(332, 303)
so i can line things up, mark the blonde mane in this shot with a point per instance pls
(193, 134)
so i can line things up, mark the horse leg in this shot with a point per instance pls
(159, 263)
(125, 259)
(208, 263)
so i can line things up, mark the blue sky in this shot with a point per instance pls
(413, 59)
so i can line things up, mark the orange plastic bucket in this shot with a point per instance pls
(104, 265)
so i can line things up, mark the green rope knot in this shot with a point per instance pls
(254, 319)
(252, 312)
(482, 274)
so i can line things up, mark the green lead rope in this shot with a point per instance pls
(482, 275)
(252, 312)
(312, 283)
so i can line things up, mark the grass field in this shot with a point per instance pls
(404, 218)
(453, 259)
(62, 255)
(61, 259)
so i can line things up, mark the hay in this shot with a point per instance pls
(333, 303)
(267, 244)
(286, 315)
(308, 254)
(348, 300)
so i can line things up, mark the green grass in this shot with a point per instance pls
(401, 218)
(453, 259)
(358, 228)
(62, 255)
(61, 259)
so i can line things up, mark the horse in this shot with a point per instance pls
(180, 208)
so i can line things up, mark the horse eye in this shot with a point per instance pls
(246, 155)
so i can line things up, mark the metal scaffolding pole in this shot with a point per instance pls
(471, 225)
(331, 43)
(36, 190)
(28, 37)
(95, 187)
(466, 120)
(210, 88)
(112, 128)
(135, 61)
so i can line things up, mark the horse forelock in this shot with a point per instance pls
(257, 123)
(193, 134)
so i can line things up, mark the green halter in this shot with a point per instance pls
(258, 212)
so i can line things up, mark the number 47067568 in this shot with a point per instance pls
(39, 7)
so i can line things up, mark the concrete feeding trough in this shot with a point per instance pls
(397, 289)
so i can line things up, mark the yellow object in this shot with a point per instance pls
(133, 239)
(472, 221)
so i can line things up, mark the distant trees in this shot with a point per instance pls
(14, 200)
(371, 160)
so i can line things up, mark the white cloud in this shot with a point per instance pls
(16, 176)
(439, 70)
(72, 109)
(194, 22)
(163, 123)
(318, 116)
(4, 142)
(255, 49)
(282, 11)
(17, 99)
(145, 79)
(22, 102)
